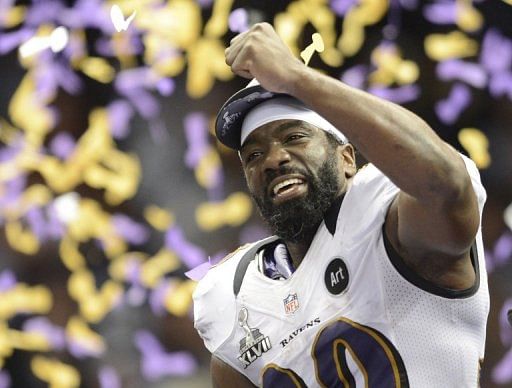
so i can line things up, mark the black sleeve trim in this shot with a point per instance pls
(412, 277)
(241, 269)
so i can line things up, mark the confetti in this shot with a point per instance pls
(238, 20)
(109, 378)
(234, 211)
(55, 373)
(157, 363)
(470, 73)
(317, 45)
(455, 44)
(449, 109)
(117, 17)
(56, 41)
(477, 145)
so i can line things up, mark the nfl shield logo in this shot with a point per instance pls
(291, 304)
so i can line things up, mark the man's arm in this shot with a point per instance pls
(436, 213)
(223, 376)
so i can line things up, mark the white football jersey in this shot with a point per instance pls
(352, 314)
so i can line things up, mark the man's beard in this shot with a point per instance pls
(298, 219)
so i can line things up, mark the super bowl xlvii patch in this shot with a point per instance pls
(254, 344)
(291, 303)
(336, 276)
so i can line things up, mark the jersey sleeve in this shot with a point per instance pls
(479, 189)
(214, 303)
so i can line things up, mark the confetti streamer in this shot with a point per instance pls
(109, 378)
(238, 20)
(157, 363)
(470, 73)
(477, 145)
(449, 109)
(117, 17)
(55, 373)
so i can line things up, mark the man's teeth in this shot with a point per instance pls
(285, 183)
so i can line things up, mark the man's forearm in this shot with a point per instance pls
(397, 141)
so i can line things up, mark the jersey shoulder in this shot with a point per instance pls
(214, 300)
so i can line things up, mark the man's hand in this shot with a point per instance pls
(260, 53)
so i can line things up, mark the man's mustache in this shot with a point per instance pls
(270, 175)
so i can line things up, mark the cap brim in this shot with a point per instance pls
(228, 124)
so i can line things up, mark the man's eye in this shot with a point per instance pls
(293, 137)
(252, 156)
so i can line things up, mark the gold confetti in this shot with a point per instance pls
(179, 297)
(78, 332)
(158, 218)
(55, 373)
(208, 165)
(468, 18)
(98, 69)
(156, 267)
(234, 211)
(476, 143)
(392, 68)
(455, 44)
(94, 305)
(25, 299)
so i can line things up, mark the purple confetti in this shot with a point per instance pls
(55, 227)
(449, 110)
(43, 12)
(496, 52)
(409, 4)
(355, 76)
(503, 249)
(196, 133)
(442, 12)
(191, 255)
(399, 95)
(165, 86)
(501, 85)
(109, 378)
(120, 113)
(11, 40)
(81, 349)
(157, 363)
(200, 271)
(157, 297)
(502, 372)
(5, 379)
(7, 280)
(456, 70)
(238, 20)
(341, 7)
(87, 13)
(133, 232)
(13, 189)
(62, 145)
(216, 190)
(136, 296)
(37, 223)
(54, 334)
(505, 328)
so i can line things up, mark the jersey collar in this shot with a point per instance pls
(331, 215)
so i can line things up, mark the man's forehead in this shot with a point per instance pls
(274, 128)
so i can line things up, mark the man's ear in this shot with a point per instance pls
(348, 158)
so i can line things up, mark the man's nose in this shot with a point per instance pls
(276, 156)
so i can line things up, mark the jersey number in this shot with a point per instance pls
(377, 359)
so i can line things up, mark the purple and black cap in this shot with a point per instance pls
(228, 124)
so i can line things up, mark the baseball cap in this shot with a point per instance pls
(230, 118)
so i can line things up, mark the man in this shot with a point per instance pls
(374, 278)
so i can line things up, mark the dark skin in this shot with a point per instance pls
(296, 144)
(434, 219)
